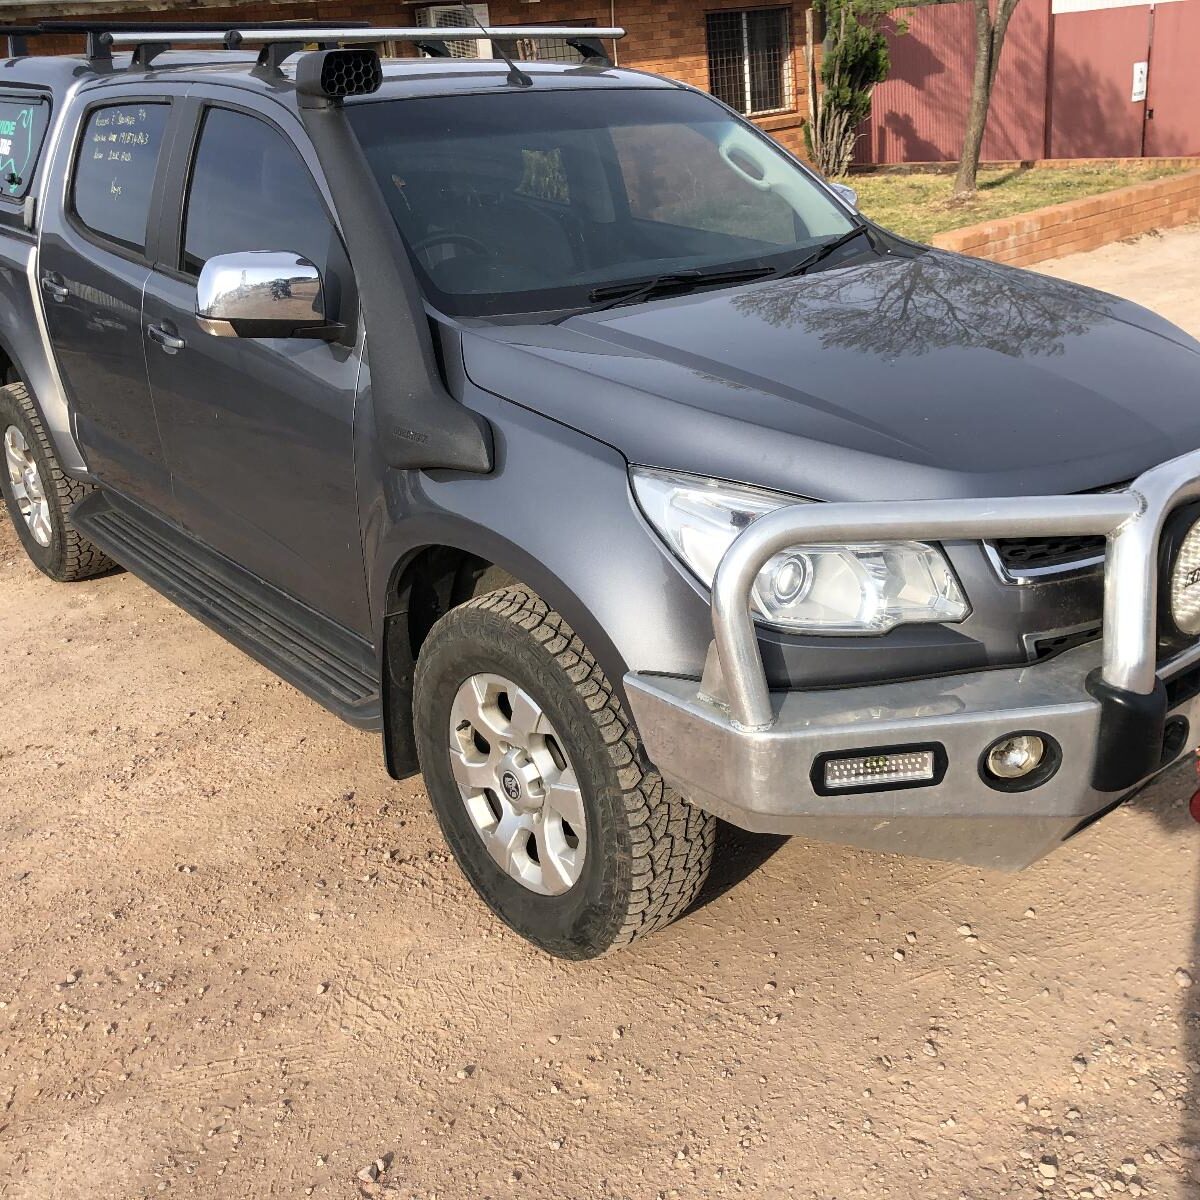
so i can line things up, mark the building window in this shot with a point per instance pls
(531, 49)
(546, 49)
(455, 16)
(750, 59)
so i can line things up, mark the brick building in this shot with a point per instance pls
(752, 56)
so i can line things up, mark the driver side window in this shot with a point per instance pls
(250, 190)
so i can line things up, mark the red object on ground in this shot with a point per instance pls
(1194, 806)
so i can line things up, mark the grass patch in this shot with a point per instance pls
(918, 206)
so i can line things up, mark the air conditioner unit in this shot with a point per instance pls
(452, 16)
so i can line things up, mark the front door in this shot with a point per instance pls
(259, 432)
(92, 267)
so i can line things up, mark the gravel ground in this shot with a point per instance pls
(235, 960)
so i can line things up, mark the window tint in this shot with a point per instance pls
(678, 175)
(22, 129)
(114, 176)
(530, 201)
(250, 190)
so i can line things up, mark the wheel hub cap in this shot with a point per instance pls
(26, 484)
(518, 786)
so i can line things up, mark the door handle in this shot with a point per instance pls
(169, 341)
(54, 289)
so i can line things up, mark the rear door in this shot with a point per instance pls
(258, 432)
(93, 264)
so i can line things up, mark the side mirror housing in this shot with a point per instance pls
(847, 193)
(263, 294)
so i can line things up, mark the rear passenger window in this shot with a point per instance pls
(250, 190)
(23, 125)
(114, 176)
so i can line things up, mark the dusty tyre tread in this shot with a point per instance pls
(672, 841)
(78, 558)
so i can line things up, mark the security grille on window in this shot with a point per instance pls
(452, 16)
(547, 49)
(750, 59)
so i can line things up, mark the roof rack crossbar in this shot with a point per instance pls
(280, 39)
(149, 40)
(142, 27)
(17, 37)
(213, 35)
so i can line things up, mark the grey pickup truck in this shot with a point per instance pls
(553, 421)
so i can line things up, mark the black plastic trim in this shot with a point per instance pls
(420, 425)
(1130, 743)
(325, 661)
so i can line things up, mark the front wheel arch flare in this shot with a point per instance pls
(449, 576)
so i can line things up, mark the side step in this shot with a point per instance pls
(325, 661)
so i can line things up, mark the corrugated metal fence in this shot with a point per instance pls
(1064, 90)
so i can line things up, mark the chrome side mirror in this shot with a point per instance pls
(847, 193)
(262, 294)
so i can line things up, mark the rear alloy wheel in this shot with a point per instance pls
(40, 495)
(541, 785)
(25, 483)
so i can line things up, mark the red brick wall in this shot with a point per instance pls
(667, 38)
(1081, 224)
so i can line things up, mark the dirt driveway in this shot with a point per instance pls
(236, 961)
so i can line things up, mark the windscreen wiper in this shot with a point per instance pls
(613, 294)
(825, 250)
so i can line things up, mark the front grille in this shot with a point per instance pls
(1054, 644)
(1019, 556)
(1049, 555)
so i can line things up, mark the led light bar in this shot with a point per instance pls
(873, 770)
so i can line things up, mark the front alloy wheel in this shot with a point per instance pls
(519, 787)
(541, 785)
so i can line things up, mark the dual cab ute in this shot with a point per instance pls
(552, 420)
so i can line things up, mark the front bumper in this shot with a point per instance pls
(1115, 714)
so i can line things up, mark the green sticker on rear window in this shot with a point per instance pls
(22, 128)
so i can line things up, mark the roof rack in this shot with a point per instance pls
(148, 40)
(17, 35)
(279, 38)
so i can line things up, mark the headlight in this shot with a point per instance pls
(865, 588)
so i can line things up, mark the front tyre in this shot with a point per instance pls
(541, 786)
(40, 496)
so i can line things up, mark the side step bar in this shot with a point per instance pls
(325, 661)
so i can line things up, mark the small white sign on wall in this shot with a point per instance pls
(1141, 72)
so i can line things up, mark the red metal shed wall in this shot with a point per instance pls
(920, 113)
(1174, 94)
(1091, 114)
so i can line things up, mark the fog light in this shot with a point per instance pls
(902, 767)
(1015, 757)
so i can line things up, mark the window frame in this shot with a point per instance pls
(144, 256)
(341, 289)
(787, 62)
(12, 92)
(176, 235)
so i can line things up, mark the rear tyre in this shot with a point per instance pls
(541, 785)
(39, 496)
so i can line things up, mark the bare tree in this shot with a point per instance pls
(989, 41)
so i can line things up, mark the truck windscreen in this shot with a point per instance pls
(532, 201)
